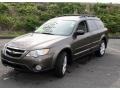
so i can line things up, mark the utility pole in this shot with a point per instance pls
(87, 10)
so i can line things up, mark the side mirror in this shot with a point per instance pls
(79, 32)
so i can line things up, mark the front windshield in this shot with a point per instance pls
(57, 27)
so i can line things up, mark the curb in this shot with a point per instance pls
(7, 37)
(114, 37)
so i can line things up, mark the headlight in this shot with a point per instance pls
(37, 53)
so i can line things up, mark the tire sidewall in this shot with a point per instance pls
(99, 51)
(59, 64)
(104, 48)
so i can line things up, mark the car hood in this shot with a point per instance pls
(32, 40)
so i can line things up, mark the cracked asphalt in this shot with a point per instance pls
(91, 72)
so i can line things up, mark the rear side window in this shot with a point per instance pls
(92, 25)
(99, 24)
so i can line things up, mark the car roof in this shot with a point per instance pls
(76, 18)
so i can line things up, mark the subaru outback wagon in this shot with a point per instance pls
(56, 44)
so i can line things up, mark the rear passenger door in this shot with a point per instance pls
(95, 32)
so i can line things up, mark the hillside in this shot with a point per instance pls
(20, 18)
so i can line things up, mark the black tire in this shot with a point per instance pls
(23, 71)
(18, 70)
(60, 64)
(101, 50)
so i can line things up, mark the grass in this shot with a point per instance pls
(11, 34)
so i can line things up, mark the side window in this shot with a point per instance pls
(92, 25)
(100, 24)
(83, 26)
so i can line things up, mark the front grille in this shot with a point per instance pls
(13, 52)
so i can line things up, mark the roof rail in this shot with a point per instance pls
(87, 15)
(81, 15)
(68, 15)
(71, 14)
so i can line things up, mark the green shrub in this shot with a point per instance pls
(41, 7)
(27, 23)
(3, 8)
(112, 22)
(30, 23)
(26, 9)
(27, 16)
(7, 21)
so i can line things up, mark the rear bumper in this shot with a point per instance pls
(28, 63)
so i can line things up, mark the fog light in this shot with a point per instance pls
(38, 67)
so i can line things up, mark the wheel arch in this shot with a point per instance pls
(69, 53)
(103, 37)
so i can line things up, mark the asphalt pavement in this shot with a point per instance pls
(92, 72)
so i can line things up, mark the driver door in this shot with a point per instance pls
(81, 42)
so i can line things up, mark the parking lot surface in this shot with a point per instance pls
(92, 72)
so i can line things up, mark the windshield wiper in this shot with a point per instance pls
(35, 32)
(47, 33)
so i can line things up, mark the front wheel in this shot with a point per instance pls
(101, 51)
(61, 64)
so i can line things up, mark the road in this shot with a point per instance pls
(94, 72)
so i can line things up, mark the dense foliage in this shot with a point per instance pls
(27, 16)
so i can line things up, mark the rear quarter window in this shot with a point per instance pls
(99, 24)
(92, 25)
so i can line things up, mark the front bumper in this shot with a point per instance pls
(27, 62)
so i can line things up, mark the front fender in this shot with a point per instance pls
(57, 51)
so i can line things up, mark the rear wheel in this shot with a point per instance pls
(61, 64)
(101, 51)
